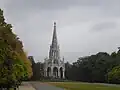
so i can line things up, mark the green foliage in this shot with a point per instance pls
(94, 68)
(114, 75)
(19, 71)
(14, 65)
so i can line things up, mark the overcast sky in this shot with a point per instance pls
(84, 27)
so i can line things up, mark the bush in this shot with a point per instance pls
(114, 75)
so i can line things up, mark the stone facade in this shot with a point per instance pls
(53, 66)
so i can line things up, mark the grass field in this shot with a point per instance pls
(83, 86)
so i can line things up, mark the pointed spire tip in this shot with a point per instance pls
(54, 23)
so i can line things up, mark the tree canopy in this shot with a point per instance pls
(14, 65)
(100, 67)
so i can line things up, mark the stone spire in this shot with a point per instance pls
(54, 48)
(54, 39)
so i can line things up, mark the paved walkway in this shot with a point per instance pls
(26, 86)
(43, 86)
(37, 86)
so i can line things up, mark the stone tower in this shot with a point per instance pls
(54, 67)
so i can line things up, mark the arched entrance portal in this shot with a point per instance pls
(61, 72)
(55, 72)
(48, 72)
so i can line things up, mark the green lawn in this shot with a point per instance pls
(83, 86)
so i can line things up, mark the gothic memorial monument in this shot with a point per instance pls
(54, 67)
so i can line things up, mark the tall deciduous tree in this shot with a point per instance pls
(14, 64)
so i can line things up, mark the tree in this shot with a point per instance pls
(68, 71)
(114, 75)
(14, 65)
(93, 68)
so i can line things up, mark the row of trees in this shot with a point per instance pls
(14, 65)
(100, 67)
